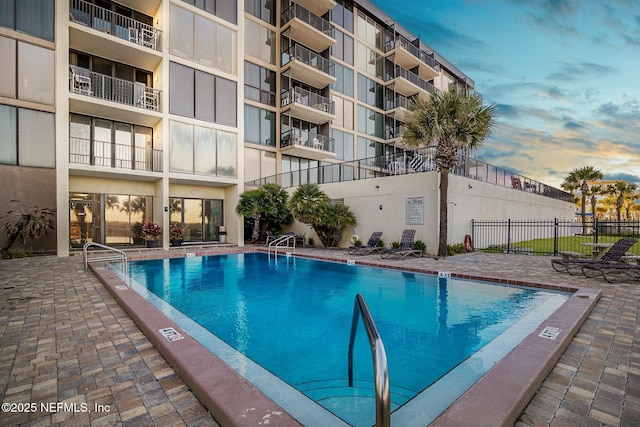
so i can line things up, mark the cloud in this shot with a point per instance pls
(571, 72)
(622, 177)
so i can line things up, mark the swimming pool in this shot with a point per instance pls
(293, 319)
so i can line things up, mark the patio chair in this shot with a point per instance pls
(371, 246)
(609, 270)
(612, 256)
(405, 248)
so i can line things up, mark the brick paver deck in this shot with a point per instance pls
(68, 347)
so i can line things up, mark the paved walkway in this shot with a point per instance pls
(74, 357)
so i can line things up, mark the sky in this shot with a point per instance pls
(564, 75)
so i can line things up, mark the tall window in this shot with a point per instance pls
(370, 92)
(343, 49)
(259, 84)
(342, 15)
(202, 151)
(201, 40)
(202, 95)
(370, 122)
(23, 143)
(259, 126)
(31, 78)
(34, 17)
(344, 79)
(225, 9)
(261, 42)
(343, 144)
(199, 218)
(264, 10)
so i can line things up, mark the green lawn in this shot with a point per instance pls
(569, 243)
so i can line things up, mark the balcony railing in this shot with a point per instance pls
(305, 15)
(123, 27)
(113, 89)
(399, 101)
(412, 77)
(309, 57)
(99, 153)
(404, 43)
(304, 97)
(407, 162)
(307, 139)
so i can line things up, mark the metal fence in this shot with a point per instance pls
(549, 237)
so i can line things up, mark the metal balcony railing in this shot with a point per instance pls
(307, 139)
(302, 96)
(401, 72)
(404, 43)
(305, 15)
(120, 156)
(123, 27)
(309, 57)
(398, 101)
(113, 89)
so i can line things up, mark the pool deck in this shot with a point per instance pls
(66, 342)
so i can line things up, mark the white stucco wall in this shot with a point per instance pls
(380, 204)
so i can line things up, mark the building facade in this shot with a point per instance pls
(116, 113)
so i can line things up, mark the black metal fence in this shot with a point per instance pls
(549, 237)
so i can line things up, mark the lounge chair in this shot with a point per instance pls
(371, 246)
(610, 270)
(612, 256)
(405, 248)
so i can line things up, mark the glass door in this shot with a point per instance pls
(81, 223)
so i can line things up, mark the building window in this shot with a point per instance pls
(199, 218)
(370, 61)
(370, 31)
(202, 151)
(370, 122)
(259, 84)
(344, 112)
(370, 92)
(344, 80)
(343, 49)
(201, 40)
(202, 95)
(31, 77)
(225, 9)
(343, 144)
(259, 126)
(28, 137)
(262, 43)
(34, 17)
(342, 15)
(264, 10)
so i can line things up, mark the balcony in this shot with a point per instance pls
(308, 106)
(408, 55)
(119, 156)
(145, 100)
(307, 28)
(318, 7)
(408, 83)
(307, 66)
(308, 145)
(397, 107)
(99, 31)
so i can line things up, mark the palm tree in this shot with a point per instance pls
(594, 191)
(252, 204)
(310, 205)
(278, 199)
(452, 121)
(623, 193)
(26, 225)
(578, 179)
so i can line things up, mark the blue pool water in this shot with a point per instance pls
(292, 317)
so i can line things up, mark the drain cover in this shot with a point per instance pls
(550, 333)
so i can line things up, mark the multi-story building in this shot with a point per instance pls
(120, 112)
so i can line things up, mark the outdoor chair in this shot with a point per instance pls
(405, 248)
(609, 270)
(612, 256)
(371, 246)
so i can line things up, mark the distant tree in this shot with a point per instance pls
(623, 192)
(451, 121)
(25, 225)
(578, 179)
(594, 191)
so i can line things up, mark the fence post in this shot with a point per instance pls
(555, 237)
(509, 236)
(473, 231)
(595, 231)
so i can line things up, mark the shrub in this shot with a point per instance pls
(456, 249)
(151, 230)
(395, 244)
(420, 246)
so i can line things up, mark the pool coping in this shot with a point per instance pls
(497, 399)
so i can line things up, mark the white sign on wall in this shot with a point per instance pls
(414, 211)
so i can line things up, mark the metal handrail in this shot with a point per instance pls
(380, 367)
(118, 256)
(282, 239)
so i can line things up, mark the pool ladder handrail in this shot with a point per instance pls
(380, 366)
(285, 238)
(115, 255)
